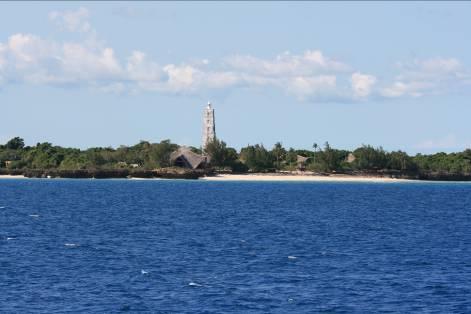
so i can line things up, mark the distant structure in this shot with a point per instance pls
(350, 158)
(185, 158)
(209, 126)
(301, 162)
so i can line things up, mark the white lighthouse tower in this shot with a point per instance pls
(209, 126)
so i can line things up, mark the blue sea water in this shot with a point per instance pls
(112, 246)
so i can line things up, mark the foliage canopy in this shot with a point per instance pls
(257, 158)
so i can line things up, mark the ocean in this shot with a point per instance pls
(158, 246)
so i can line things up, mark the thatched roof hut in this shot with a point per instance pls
(301, 161)
(185, 158)
(350, 158)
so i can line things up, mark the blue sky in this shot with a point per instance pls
(86, 74)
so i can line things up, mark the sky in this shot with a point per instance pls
(86, 74)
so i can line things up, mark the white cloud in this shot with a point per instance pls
(2, 62)
(2, 55)
(140, 68)
(303, 87)
(429, 76)
(308, 76)
(73, 21)
(27, 49)
(79, 62)
(29, 58)
(414, 89)
(310, 63)
(362, 84)
(433, 69)
(439, 65)
(180, 78)
(220, 79)
(448, 142)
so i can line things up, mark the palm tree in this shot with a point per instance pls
(279, 153)
(315, 150)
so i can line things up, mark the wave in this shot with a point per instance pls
(194, 284)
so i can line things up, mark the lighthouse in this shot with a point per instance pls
(209, 126)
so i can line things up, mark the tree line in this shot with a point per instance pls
(255, 158)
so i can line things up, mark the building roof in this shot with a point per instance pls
(302, 158)
(194, 160)
(350, 158)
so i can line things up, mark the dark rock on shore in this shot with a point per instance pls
(164, 173)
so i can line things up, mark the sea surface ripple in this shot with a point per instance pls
(156, 246)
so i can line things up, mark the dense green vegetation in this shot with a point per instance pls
(15, 155)
(144, 155)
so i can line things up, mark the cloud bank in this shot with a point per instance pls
(308, 76)
(445, 143)
(429, 76)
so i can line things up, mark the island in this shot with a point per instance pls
(218, 161)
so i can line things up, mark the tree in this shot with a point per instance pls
(369, 158)
(400, 161)
(278, 153)
(257, 158)
(15, 143)
(221, 155)
(329, 157)
(44, 156)
(160, 153)
(315, 151)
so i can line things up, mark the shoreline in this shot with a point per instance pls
(264, 177)
(303, 178)
(9, 176)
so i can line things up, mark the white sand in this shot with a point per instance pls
(7, 176)
(272, 177)
(291, 177)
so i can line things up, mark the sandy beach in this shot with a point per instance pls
(271, 177)
(293, 177)
(7, 176)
